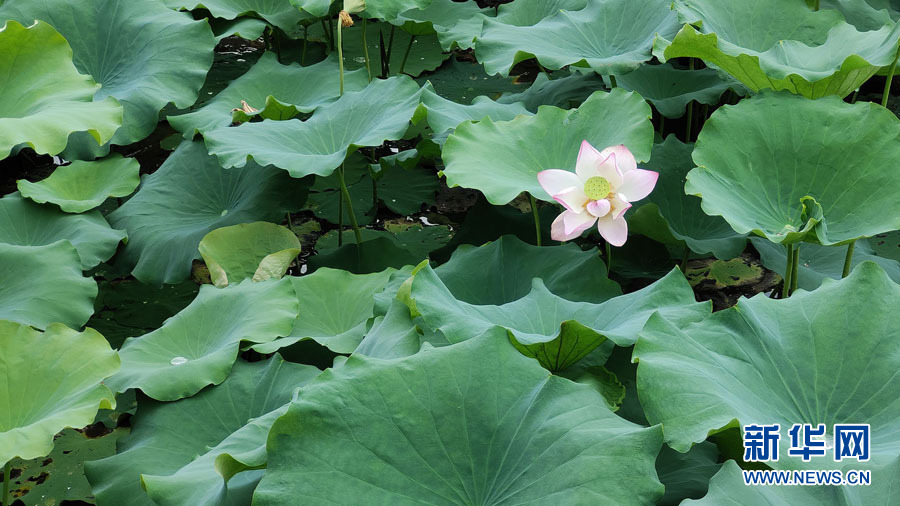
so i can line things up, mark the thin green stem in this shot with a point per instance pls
(684, 259)
(855, 96)
(305, 39)
(608, 257)
(326, 29)
(346, 193)
(6, 478)
(816, 5)
(795, 276)
(690, 111)
(612, 82)
(340, 48)
(365, 43)
(662, 126)
(788, 271)
(537, 219)
(390, 50)
(290, 224)
(340, 217)
(412, 40)
(890, 77)
(848, 260)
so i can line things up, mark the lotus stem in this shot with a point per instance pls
(612, 82)
(340, 218)
(890, 77)
(340, 48)
(303, 52)
(390, 49)
(346, 194)
(816, 6)
(690, 122)
(412, 40)
(327, 29)
(848, 260)
(788, 271)
(608, 257)
(6, 479)
(365, 44)
(795, 276)
(537, 219)
(684, 259)
(662, 126)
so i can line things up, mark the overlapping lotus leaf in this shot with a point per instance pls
(782, 46)
(379, 112)
(532, 12)
(670, 89)
(608, 36)
(391, 9)
(444, 115)
(316, 8)
(791, 169)
(189, 196)
(504, 431)
(39, 57)
(258, 251)
(24, 223)
(40, 285)
(671, 217)
(49, 381)
(304, 88)
(278, 13)
(455, 24)
(82, 186)
(393, 334)
(186, 452)
(143, 53)
(335, 309)
(563, 92)
(686, 475)
(555, 331)
(501, 159)
(817, 357)
(198, 346)
(865, 15)
(502, 271)
(425, 52)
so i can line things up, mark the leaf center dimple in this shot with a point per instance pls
(597, 188)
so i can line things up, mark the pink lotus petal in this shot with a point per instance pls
(572, 198)
(588, 161)
(619, 206)
(637, 184)
(615, 231)
(555, 181)
(569, 225)
(624, 157)
(599, 208)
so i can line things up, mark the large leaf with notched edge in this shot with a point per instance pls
(607, 36)
(183, 452)
(143, 53)
(379, 112)
(456, 24)
(40, 285)
(502, 158)
(24, 223)
(38, 57)
(817, 357)
(498, 430)
(791, 169)
(303, 88)
(49, 381)
(780, 45)
(556, 331)
(444, 115)
(198, 346)
(188, 197)
(82, 186)
(278, 13)
(258, 251)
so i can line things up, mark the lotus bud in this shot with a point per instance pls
(354, 6)
(346, 20)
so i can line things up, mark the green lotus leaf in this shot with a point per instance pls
(82, 186)
(391, 9)
(501, 271)
(40, 285)
(555, 331)
(670, 90)
(456, 24)
(143, 53)
(502, 159)
(839, 190)
(198, 346)
(318, 145)
(316, 8)
(686, 475)
(673, 218)
(461, 81)
(887, 245)
(823, 362)
(270, 79)
(278, 13)
(608, 36)
(370, 256)
(865, 15)
(188, 197)
(444, 115)
(727, 488)
(564, 92)
(425, 52)
(259, 251)
(809, 53)
(24, 223)
(418, 240)
(39, 57)
(504, 432)
(393, 335)
(818, 263)
(179, 451)
(532, 12)
(245, 28)
(50, 380)
(335, 308)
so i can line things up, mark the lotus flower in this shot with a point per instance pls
(599, 191)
